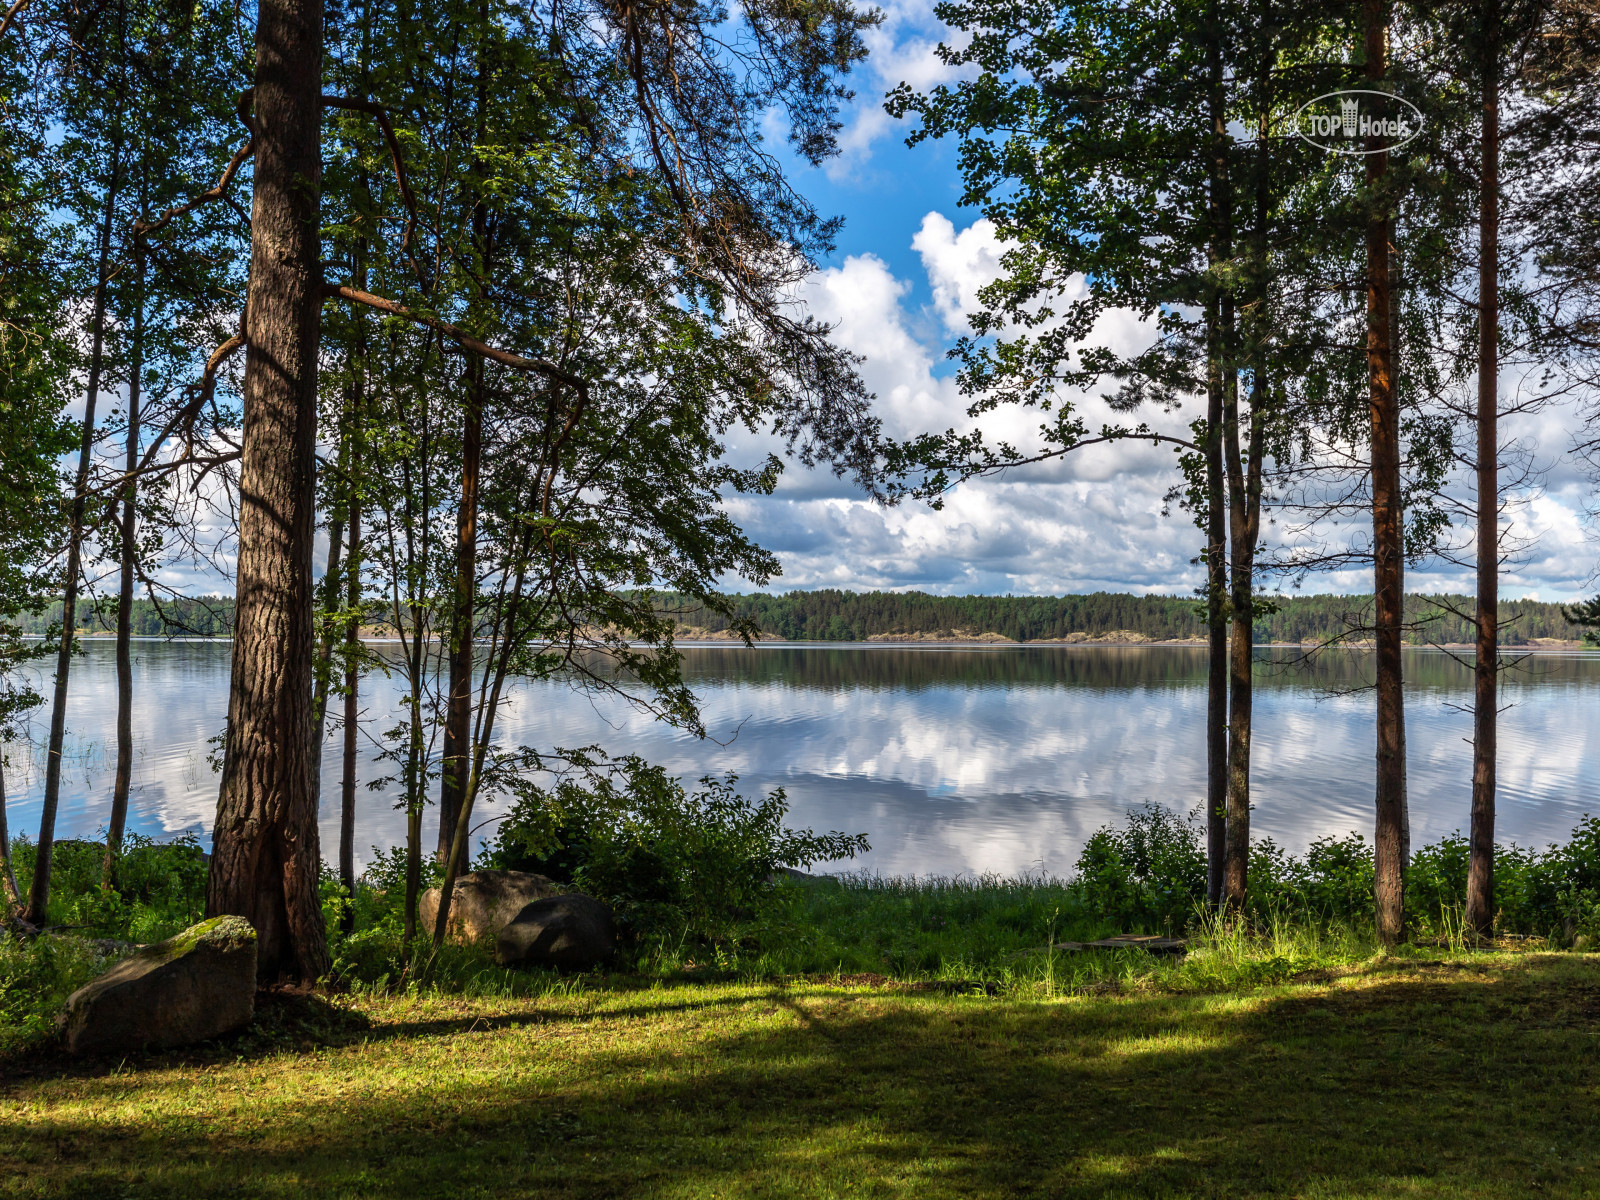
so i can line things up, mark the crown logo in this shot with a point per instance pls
(1347, 114)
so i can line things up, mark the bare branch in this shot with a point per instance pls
(377, 113)
(145, 228)
(461, 338)
(12, 14)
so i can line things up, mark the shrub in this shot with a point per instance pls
(1149, 874)
(672, 863)
(159, 887)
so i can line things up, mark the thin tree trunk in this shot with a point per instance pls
(458, 716)
(352, 716)
(1244, 518)
(491, 706)
(1480, 869)
(457, 731)
(39, 890)
(352, 627)
(8, 876)
(1387, 538)
(266, 854)
(1216, 503)
(130, 516)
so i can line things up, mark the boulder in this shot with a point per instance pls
(572, 931)
(198, 985)
(485, 902)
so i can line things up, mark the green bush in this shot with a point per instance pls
(159, 888)
(1148, 875)
(673, 864)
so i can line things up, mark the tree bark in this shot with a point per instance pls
(1480, 868)
(265, 859)
(1387, 536)
(1216, 501)
(130, 515)
(39, 890)
(458, 717)
(8, 876)
(458, 727)
(352, 717)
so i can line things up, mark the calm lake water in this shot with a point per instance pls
(950, 759)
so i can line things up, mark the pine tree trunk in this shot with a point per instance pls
(1387, 537)
(352, 717)
(458, 728)
(1216, 501)
(39, 891)
(1480, 868)
(458, 718)
(266, 854)
(124, 776)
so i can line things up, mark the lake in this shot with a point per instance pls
(950, 759)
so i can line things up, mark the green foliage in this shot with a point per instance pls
(159, 887)
(674, 864)
(1148, 875)
(36, 977)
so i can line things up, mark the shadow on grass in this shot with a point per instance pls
(1418, 1080)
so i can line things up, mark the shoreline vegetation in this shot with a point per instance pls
(916, 618)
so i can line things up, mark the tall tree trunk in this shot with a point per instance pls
(1244, 519)
(458, 719)
(1387, 537)
(352, 715)
(352, 626)
(1216, 502)
(130, 515)
(1480, 869)
(266, 852)
(39, 890)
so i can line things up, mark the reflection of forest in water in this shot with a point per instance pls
(1099, 667)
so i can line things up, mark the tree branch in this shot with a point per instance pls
(12, 14)
(145, 228)
(377, 113)
(461, 338)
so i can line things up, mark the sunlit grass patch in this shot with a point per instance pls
(1405, 1077)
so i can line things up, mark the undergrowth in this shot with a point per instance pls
(1001, 935)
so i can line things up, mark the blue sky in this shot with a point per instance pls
(908, 264)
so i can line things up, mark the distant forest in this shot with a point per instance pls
(184, 616)
(838, 616)
(831, 615)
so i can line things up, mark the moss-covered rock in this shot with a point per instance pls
(189, 988)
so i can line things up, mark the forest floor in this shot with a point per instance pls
(1464, 1076)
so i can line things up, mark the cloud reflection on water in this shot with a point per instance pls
(950, 760)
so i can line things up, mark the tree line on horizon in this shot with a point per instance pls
(838, 615)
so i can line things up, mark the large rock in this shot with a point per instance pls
(572, 931)
(198, 985)
(485, 902)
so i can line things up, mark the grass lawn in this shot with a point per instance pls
(1403, 1077)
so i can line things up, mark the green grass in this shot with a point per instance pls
(1419, 1076)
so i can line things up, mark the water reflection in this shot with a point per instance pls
(951, 759)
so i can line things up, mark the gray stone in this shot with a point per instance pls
(482, 903)
(572, 931)
(198, 985)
